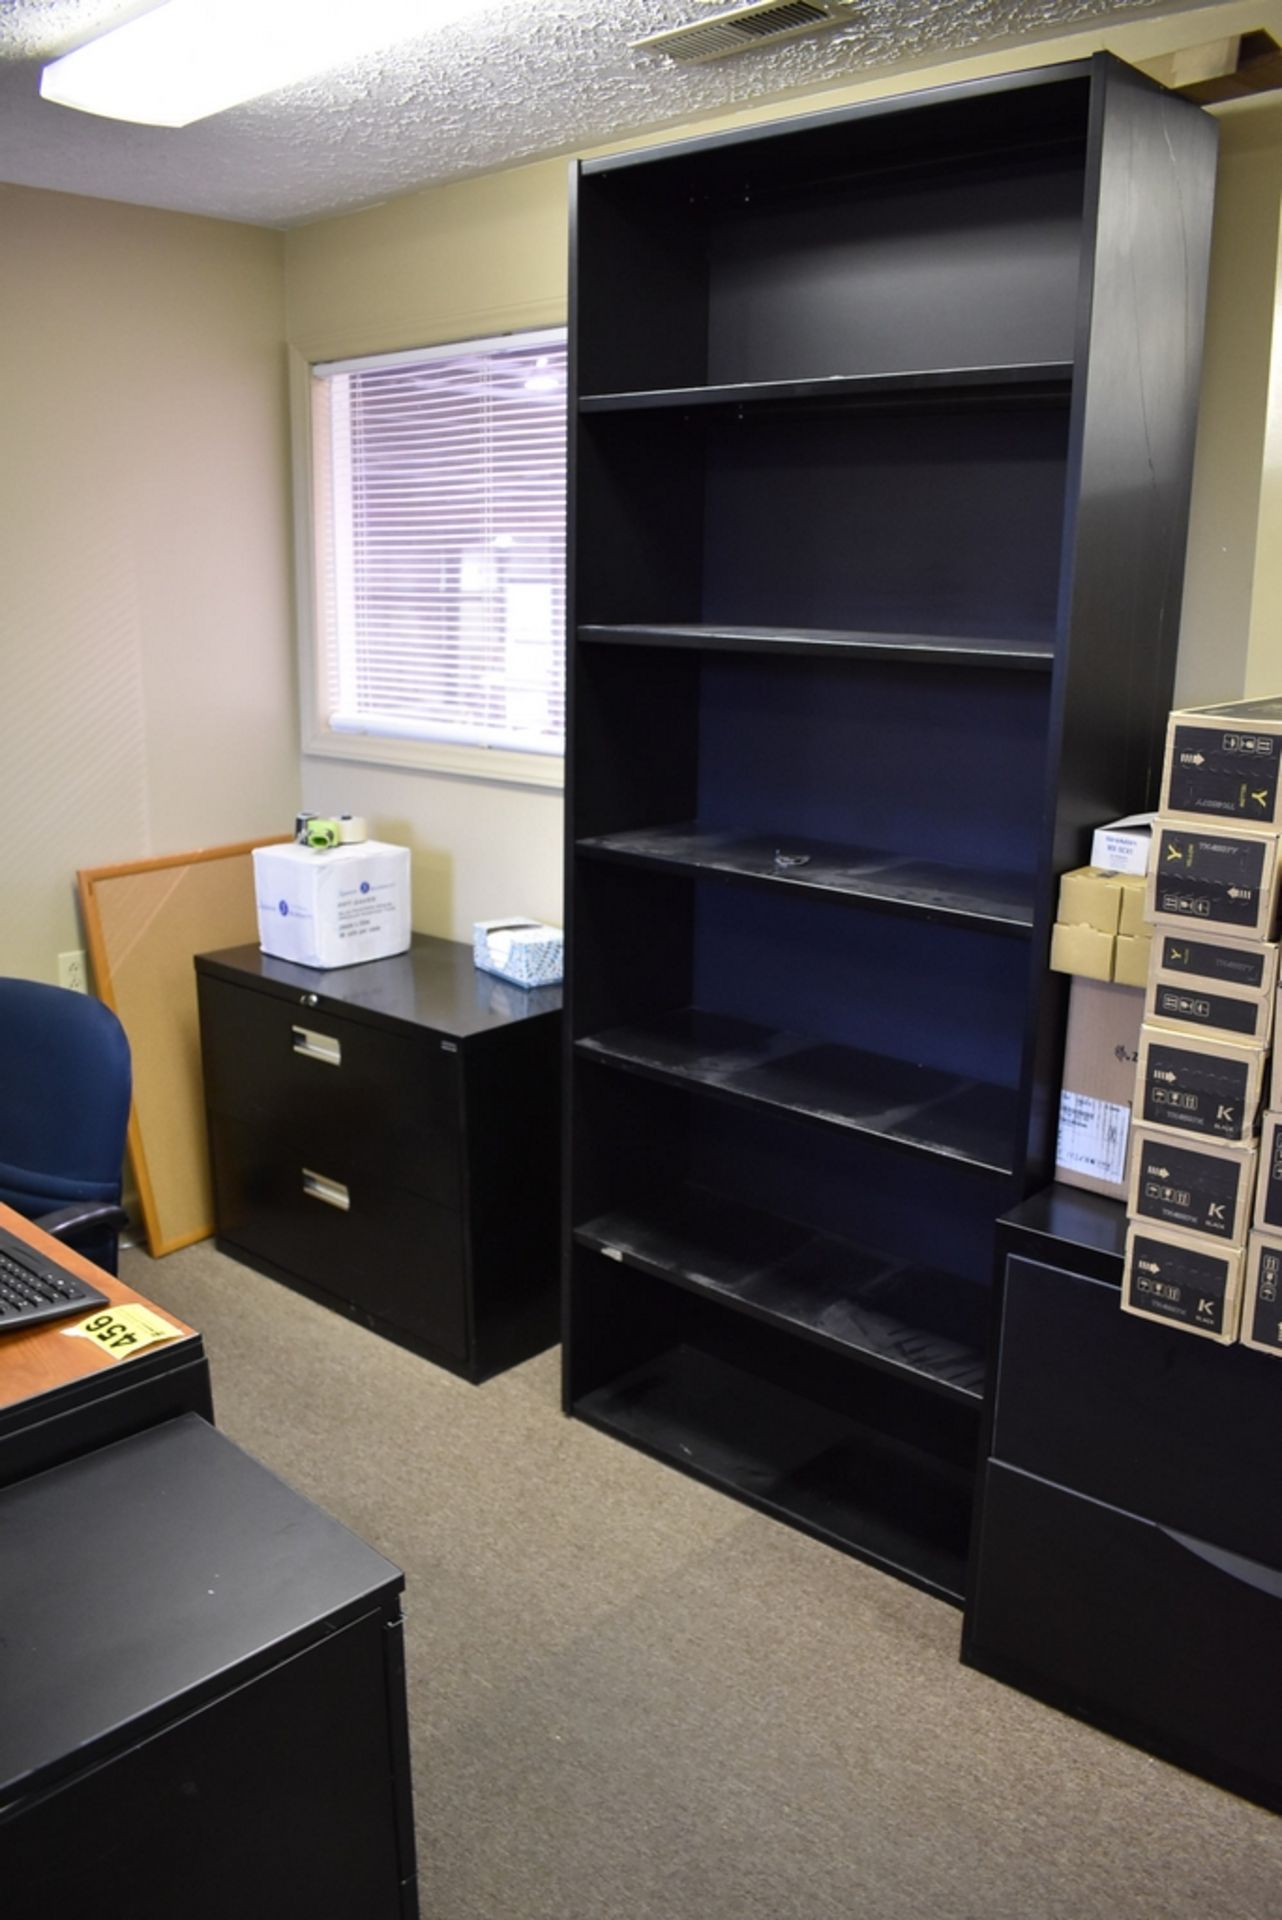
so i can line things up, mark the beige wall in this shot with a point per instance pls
(485, 255)
(145, 624)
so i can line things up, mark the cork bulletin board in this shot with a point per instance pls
(144, 924)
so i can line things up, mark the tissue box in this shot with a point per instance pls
(335, 908)
(524, 951)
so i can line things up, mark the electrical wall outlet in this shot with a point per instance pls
(72, 972)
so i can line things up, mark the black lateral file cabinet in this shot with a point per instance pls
(1128, 1545)
(386, 1139)
(881, 428)
(204, 1695)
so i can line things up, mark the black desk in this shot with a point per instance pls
(203, 1695)
(1127, 1554)
(60, 1396)
(386, 1139)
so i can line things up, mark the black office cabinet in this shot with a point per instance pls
(881, 437)
(1128, 1548)
(385, 1138)
(204, 1695)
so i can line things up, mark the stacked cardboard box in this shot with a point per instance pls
(1199, 1235)
(1102, 939)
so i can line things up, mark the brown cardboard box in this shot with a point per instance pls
(1183, 1281)
(1222, 763)
(1089, 897)
(1099, 1084)
(1262, 1296)
(1083, 950)
(1199, 1085)
(1133, 958)
(1196, 1186)
(1173, 1001)
(1134, 893)
(1218, 882)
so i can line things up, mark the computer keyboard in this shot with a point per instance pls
(33, 1288)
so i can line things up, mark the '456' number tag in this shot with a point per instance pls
(124, 1330)
(112, 1332)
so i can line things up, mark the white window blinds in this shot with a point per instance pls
(440, 527)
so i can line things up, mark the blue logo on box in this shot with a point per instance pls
(284, 908)
(364, 886)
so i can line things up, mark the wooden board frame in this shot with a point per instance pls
(144, 923)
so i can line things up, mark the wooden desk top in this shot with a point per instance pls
(41, 1358)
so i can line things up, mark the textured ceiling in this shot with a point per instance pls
(522, 79)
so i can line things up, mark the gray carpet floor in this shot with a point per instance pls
(634, 1699)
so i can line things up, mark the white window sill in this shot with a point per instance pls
(500, 766)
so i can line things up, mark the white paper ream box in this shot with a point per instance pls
(1124, 846)
(335, 908)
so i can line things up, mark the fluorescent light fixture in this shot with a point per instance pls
(187, 59)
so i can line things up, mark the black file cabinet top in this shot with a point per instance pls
(141, 1575)
(1067, 1227)
(435, 984)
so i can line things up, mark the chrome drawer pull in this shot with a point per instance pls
(318, 1046)
(332, 1192)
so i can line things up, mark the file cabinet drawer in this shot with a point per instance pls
(387, 1255)
(384, 1100)
(1137, 1415)
(1155, 1634)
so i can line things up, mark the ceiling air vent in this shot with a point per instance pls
(745, 28)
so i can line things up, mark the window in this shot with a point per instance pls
(439, 523)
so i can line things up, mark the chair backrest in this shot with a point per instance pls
(64, 1098)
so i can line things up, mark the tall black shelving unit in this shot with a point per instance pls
(881, 433)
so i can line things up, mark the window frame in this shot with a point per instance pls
(509, 766)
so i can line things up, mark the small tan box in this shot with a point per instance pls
(1082, 950)
(1173, 1002)
(1134, 900)
(1221, 882)
(1268, 1192)
(1190, 1084)
(1196, 1186)
(1132, 958)
(1222, 763)
(1208, 960)
(1261, 1325)
(1100, 1051)
(1089, 897)
(1183, 1282)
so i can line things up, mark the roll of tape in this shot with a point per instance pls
(351, 830)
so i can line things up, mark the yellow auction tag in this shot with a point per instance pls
(125, 1330)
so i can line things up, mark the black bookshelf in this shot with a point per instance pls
(881, 438)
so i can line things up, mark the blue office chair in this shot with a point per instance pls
(65, 1083)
